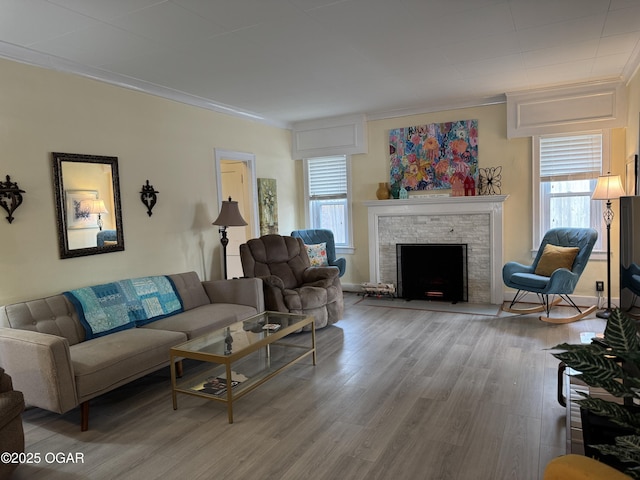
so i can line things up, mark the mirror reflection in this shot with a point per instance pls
(87, 204)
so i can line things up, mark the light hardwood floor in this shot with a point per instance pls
(396, 394)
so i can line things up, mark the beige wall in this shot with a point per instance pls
(495, 149)
(170, 144)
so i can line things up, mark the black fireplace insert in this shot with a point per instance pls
(432, 271)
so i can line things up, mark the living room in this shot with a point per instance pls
(172, 145)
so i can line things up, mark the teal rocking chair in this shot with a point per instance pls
(555, 271)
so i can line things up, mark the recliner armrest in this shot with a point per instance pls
(314, 274)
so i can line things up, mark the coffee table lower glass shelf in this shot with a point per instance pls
(249, 353)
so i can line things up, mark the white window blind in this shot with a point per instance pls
(327, 177)
(570, 157)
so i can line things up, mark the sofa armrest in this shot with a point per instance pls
(40, 367)
(242, 291)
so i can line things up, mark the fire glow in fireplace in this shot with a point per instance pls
(432, 271)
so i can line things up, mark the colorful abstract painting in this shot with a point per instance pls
(431, 157)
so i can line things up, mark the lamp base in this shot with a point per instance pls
(606, 313)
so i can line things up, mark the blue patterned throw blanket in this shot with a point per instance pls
(124, 304)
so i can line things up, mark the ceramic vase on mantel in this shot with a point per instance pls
(382, 193)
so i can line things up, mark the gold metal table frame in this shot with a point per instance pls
(257, 353)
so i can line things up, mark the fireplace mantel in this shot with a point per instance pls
(440, 208)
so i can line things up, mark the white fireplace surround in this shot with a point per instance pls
(441, 219)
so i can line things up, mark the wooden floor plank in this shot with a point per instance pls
(397, 394)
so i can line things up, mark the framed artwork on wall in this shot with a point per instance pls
(268, 205)
(433, 156)
(77, 217)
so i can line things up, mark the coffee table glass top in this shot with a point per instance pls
(249, 333)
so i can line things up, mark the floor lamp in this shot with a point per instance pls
(229, 217)
(608, 187)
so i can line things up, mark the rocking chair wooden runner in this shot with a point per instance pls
(555, 271)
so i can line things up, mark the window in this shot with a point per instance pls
(327, 186)
(566, 170)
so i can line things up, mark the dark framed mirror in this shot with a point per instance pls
(87, 198)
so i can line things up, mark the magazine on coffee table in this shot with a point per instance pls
(215, 386)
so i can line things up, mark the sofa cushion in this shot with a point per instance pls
(190, 290)
(201, 320)
(107, 362)
(53, 315)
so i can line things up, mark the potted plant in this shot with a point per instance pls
(613, 364)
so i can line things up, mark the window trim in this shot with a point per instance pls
(597, 254)
(343, 249)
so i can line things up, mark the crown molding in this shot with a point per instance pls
(51, 62)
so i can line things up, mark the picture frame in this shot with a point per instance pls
(76, 217)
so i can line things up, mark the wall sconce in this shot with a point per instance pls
(10, 197)
(149, 197)
(229, 217)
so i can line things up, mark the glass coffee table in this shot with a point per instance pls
(242, 356)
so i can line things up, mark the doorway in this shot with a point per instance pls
(235, 172)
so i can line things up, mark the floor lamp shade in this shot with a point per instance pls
(609, 187)
(229, 217)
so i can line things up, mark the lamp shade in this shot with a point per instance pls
(608, 187)
(230, 215)
(93, 206)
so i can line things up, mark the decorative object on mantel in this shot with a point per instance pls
(268, 205)
(490, 181)
(429, 157)
(469, 186)
(403, 194)
(10, 197)
(383, 192)
(457, 187)
(149, 197)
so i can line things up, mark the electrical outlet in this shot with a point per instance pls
(599, 286)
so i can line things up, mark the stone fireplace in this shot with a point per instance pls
(475, 221)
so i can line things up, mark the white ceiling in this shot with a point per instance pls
(284, 61)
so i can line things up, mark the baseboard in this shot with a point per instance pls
(581, 300)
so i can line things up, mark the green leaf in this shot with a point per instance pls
(618, 414)
(590, 362)
(621, 333)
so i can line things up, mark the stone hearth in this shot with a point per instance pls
(476, 221)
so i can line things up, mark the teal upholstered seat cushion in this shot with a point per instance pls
(526, 281)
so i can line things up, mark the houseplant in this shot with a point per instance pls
(613, 364)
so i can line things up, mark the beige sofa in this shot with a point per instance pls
(43, 344)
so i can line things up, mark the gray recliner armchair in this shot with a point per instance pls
(11, 431)
(291, 284)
